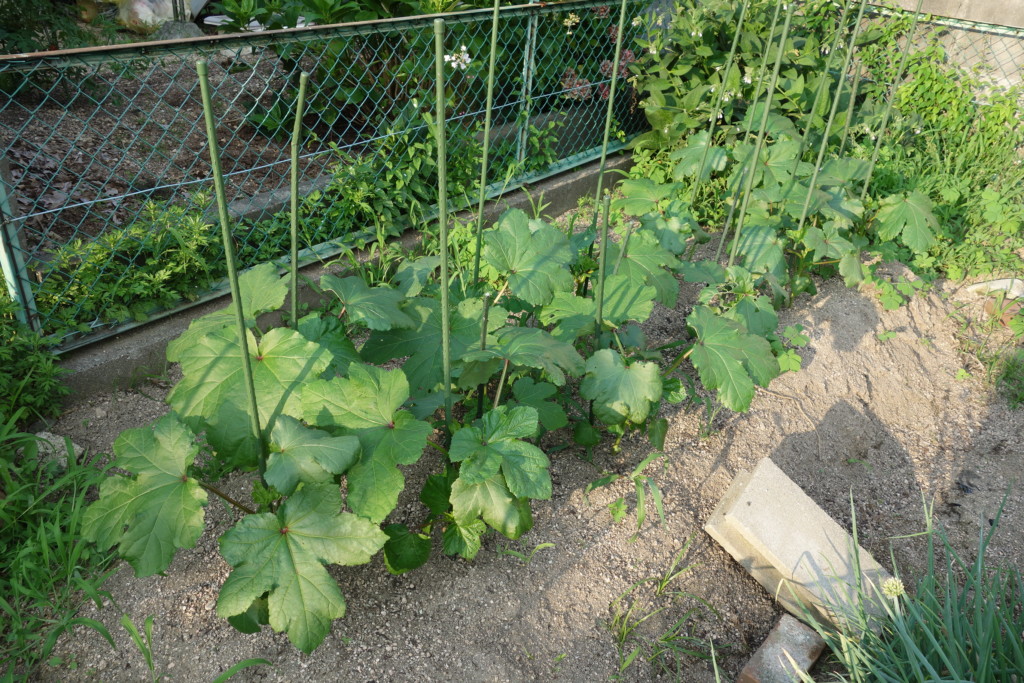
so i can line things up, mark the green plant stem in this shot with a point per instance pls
(759, 145)
(442, 217)
(602, 266)
(892, 99)
(677, 362)
(229, 254)
(611, 103)
(438, 447)
(729, 62)
(487, 143)
(501, 385)
(296, 133)
(241, 506)
(483, 347)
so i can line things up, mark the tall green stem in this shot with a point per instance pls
(611, 103)
(229, 255)
(850, 107)
(487, 143)
(296, 134)
(892, 98)
(442, 217)
(483, 346)
(759, 145)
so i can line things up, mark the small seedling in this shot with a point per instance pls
(642, 484)
(526, 558)
(886, 335)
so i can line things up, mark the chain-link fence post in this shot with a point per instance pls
(13, 265)
(529, 55)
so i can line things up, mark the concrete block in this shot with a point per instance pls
(789, 650)
(791, 546)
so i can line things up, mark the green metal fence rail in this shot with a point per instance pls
(104, 146)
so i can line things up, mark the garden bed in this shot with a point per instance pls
(879, 410)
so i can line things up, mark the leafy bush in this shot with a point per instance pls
(30, 383)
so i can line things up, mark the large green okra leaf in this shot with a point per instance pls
(620, 392)
(366, 404)
(282, 554)
(159, 510)
(534, 256)
(261, 291)
(494, 443)
(212, 396)
(729, 359)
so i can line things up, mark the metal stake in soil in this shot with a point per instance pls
(442, 216)
(487, 142)
(229, 256)
(303, 79)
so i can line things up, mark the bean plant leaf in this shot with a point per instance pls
(621, 393)
(157, 511)
(375, 307)
(212, 395)
(536, 394)
(535, 257)
(422, 342)
(696, 150)
(367, 404)
(494, 442)
(282, 554)
(307, 455)
(261, 291)
(908, 216)
(533, 348)
(729, 359)
(491, 500)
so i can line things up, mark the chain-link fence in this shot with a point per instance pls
(106, 202)
(105, 199)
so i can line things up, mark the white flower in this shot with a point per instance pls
(748, 80)
(636, 21)
(893, 588)
(653, 50)
(700, 34)
(571, 20)
(460, 60)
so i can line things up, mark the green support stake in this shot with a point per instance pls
(892, 98)
(611, 103)
(12, 263)
(487, 143)
(526, 95)
(442, 217)
(759, 145)
(296, 133)
(229, 254)
(602, 267)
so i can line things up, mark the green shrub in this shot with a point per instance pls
(29, 375)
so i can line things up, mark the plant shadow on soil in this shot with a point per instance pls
(885, 419)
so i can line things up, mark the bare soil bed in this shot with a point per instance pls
(884, 420)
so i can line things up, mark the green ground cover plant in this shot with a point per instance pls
(30, 384)
(45, 570)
